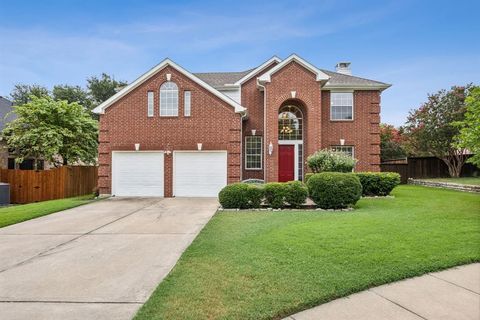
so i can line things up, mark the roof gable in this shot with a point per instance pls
(320, 75)
(258, 69)
(167, 62)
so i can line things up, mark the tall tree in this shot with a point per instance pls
(72, 94)
(22, 93)
(469, 136)
(57, 131)
(103, 87)
(431, 127)
(391, 143)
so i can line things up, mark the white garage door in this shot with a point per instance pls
(138, 174)
(199, 174)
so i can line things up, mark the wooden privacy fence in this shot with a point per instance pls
(31, 186)
(425, 167)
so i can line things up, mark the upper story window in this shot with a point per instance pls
(150, 103)
(341, 106)
(345, 149)
(290, 123)
(253, 152)
(187, 101)
(169, 99)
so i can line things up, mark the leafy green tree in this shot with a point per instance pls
(103, 87)
(57, 131)
(469, 136)
(431, 127)
(21, 93)
(72, 94)
(391, 143)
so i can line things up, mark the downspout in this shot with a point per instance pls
(244, 115)
(264, 130)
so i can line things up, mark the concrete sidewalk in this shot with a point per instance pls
(450, 294)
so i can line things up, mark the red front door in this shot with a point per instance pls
(286, 163)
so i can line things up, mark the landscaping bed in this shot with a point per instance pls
(268, 265)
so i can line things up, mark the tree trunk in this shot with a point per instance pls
(455, 161)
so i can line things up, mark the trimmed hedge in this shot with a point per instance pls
(378, 183)
(307, 176)
(297, 193)
(276, 194)
(326, 160)
(334, 190)
(241, 196)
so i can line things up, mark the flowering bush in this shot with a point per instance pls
(327, 160)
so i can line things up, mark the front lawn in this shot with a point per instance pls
(18, 213)
(267, 265)
(464, 180)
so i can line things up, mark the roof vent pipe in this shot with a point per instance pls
(343, 68)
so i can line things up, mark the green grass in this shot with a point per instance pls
(267, 265)
(464, 180)
(18, 213)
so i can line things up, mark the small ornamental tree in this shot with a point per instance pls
(56, 131)
(469, 136)
(327, 160)
(431, 128)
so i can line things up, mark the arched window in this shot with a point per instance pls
(290, 123)
(169, 99)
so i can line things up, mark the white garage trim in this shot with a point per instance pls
(114, 171)
(216, 184)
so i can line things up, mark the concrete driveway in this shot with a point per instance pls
(98, 261)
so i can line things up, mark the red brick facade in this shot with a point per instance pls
(214, 123)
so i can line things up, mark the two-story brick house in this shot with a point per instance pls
(176, 133)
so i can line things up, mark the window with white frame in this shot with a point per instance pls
(169, 99)
(187, 101)
(253, 152)
(345, 149)
(341, 106)
(150, 103)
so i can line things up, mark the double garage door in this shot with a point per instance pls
(195, 173)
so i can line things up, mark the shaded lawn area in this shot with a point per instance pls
(463, 180)
(18, 213)
(267, 265)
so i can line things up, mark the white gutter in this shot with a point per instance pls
(264, 130)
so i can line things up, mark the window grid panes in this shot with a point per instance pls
(169, 99)
(345, 149)
(253, 152)
(300, 162)
(290, 123)
(187, 97)
(150, 103)
(341, 106)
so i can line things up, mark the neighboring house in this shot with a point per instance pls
(196, 132)
(7, 159)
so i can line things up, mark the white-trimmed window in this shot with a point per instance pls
(345, 149)
(187, 101)
(253, 152)
(341, 106)
(150, 103)
(169, 99)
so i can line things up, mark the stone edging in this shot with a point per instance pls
(445, 185)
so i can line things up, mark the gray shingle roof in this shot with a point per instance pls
(220, 79)
(5, 108)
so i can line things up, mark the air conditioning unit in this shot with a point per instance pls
(4, 194)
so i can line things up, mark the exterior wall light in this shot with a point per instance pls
(168, 152)
(342, 142)
(270, 148)
(137, 146)
(199, 146)
(253, 132)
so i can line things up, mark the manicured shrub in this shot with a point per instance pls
(334, 190)
(276, 194)
(378, 183)
(297, 193)
(307, 176)
(241, 196)
(327, 160)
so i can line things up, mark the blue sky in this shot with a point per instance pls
(418, 46)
